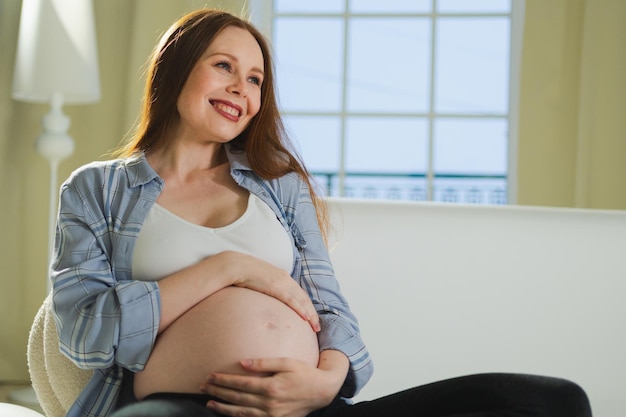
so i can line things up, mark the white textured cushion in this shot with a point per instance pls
(55, 379)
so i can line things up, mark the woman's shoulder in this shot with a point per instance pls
(92, 172)
(291, 179)
(96, 167)
(96, 173)
(240, 168)
(289, 187)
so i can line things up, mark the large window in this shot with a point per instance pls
(400, 99)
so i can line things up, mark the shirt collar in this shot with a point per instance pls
(238, 159)
(139, 170)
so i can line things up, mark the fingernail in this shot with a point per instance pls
(246, 362)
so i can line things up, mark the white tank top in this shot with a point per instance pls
(168, 243)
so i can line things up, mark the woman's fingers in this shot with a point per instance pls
(300, 302)
(241, 395)
(235, 410)
(242, 389)
(270, 365)
(261, 276)
(284, 388)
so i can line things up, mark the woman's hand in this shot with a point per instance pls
(258, 275)
(292, 389)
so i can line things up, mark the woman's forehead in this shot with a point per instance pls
(238, 43)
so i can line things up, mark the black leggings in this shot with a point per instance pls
(482, 395)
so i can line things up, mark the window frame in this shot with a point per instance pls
(262, 15)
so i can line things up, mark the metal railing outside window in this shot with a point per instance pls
(466, 189)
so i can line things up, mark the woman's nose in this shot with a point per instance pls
(238, 86)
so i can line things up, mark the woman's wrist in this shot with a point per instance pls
(227, 266)
(336, 366)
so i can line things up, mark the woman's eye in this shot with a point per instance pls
(255, 80)
(224, 65)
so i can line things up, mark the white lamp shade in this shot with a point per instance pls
(56, 52)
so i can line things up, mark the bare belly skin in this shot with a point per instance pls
(231, 325)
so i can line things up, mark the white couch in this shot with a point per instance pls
(445, 290)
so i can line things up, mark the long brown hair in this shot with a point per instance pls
(265, 142)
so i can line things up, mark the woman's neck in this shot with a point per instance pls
(182, 160)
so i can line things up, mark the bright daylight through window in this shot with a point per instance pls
(399, 99)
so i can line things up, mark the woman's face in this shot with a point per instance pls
(223, 91)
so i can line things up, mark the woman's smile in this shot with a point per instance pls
(227, 109)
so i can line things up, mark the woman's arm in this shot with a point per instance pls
(186, 288)
(340, 328)
(101, 320)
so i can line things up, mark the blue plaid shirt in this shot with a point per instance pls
(107, 321)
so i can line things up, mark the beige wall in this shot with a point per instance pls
(572, 134)
(572, 148)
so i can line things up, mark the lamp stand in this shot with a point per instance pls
(54, 144)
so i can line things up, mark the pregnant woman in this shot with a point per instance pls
(191, 273)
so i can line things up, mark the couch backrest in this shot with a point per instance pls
(446, 290)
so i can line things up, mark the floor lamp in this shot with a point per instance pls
(56, 63)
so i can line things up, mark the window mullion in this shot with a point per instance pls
(344, 100)
(515, 57)
(431, 105)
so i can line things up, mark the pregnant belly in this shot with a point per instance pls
(231, 325)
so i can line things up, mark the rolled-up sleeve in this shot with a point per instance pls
(101, 320)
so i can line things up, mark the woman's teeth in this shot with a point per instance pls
(226, 109)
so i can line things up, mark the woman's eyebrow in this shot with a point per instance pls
(234, 58)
